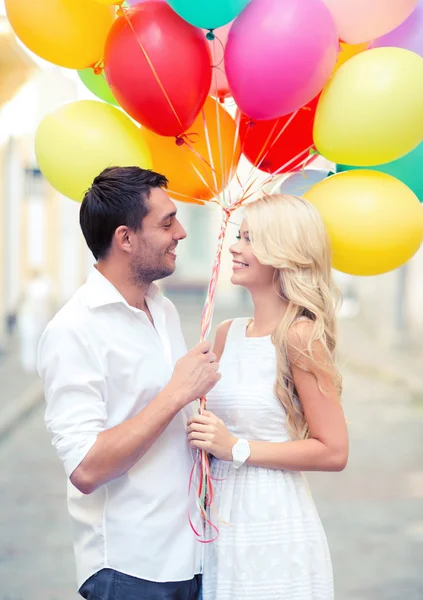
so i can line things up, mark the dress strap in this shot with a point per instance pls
(237, 330)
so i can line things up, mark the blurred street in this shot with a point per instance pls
(372, 512)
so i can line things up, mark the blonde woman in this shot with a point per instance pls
(275, 413)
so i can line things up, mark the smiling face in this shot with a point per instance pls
(155, 254)
(247, 270)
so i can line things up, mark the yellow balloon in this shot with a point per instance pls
(77, 141)
(68, 33)
(374, 221)
(110, 2)
(347, 51)
(371, 111)
(206, 158)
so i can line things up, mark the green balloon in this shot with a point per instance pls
(407, 169)
(208, 14)
(97, 85)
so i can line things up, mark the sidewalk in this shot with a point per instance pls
(20, 392)
(362, 352)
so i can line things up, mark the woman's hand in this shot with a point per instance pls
(207, 432)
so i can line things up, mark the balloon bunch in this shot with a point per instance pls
(278, 81)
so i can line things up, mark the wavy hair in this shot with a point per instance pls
(288, 233)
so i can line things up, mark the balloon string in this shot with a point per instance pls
(123, 12)
(219, 137)
(208, 144)
(201, 467)
(185, 197)
(207, 314)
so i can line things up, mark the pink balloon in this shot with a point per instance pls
(279, 55)
(360, 21)
(219, 87)
(409, 35)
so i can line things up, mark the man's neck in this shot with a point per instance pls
(133, 293)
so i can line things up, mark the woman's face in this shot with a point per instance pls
(247, 271)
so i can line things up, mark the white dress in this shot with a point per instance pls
(274, 546)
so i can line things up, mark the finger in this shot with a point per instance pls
(208, 413)
(199, 445)
(198, 427)
(203, 347)
(196, 435)
(203, 419)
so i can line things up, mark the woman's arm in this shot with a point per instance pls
(325, 450)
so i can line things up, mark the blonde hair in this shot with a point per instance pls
(288, 233)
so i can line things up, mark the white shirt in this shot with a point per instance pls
(102, 362)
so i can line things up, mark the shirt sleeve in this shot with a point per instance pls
(75, 391)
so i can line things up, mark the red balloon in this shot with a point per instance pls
(279, 145)
(158, 67)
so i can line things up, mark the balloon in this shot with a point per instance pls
(374, 221)
(409, 35)
(371, 111)
(208, 14)
(77, 141)
(219, 86)
(97, 85)
(192, 171)
(297, 184)
(134, 2)
(360, 21)
(407, 169)
(279, 145)
(158, 67)
(68, 33)
(347, 51)
(279, 55)
(110, 2)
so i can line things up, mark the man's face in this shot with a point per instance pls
(155, 254)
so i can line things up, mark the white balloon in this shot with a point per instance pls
(298, 183)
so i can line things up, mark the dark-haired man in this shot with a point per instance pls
(117, 378)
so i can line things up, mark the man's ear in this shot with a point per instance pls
(124, 239)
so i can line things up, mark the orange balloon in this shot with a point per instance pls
(347, 51)
(200, 163)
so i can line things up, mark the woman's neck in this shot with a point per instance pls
(269, 309)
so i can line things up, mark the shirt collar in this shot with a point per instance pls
(101, 292)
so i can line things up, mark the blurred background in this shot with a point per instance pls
(372, 512)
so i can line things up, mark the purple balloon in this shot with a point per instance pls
(409, 35)
(279, 55)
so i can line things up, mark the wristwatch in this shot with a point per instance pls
(240, 453)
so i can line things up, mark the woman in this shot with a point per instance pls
(275, 413)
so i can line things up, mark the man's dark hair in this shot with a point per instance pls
(118, 196)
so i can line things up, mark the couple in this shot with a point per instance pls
(120, 389)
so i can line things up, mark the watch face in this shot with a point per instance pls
(241, 451)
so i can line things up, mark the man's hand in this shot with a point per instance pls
(195, 374)
(208, 432)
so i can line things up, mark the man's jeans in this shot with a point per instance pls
(108, 584)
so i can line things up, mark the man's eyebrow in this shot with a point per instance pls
(168, 216)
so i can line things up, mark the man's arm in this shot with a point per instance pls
(76, 414)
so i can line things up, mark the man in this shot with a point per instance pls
(116, 381)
